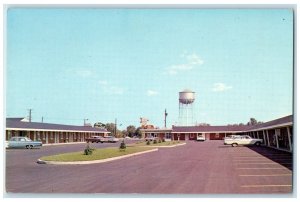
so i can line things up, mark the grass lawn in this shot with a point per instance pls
(98, 154)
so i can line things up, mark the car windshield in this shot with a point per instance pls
(27, 139)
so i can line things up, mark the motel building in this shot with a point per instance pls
(50, 133)
(277, 133)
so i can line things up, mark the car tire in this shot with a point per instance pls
(27, 147)
(31, 146)
(234, 144)
(257, 143)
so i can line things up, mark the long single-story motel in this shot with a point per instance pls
(277, 133)
(50, 133)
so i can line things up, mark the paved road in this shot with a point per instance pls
(196, 168)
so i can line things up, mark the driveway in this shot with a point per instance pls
(196, 168)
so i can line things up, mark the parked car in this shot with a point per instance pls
(109, 139)
(200, 137)
(93, 139)
(242, 140)
(22, 142)
(232, 136)
(150, 138)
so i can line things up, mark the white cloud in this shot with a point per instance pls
(152, 93)
(191, 61)
(107, 88)
(220, 87)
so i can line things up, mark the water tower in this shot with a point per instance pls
(186, 100)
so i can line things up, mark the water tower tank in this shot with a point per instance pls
(186, 97)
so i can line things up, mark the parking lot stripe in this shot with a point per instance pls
(266, 185)
(266, 163)
(282, 168)
(258, 160)
(272, 175)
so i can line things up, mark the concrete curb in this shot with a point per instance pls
(94, 161)
(176, 145)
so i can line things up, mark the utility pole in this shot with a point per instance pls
(30, 110)
(42, 119)
(166, 114)
(115, 127)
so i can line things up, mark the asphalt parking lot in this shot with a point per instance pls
(196, 168)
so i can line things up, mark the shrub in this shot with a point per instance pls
(122, 146)
(159, 141)
(154, 141)
(148, 142)
(163, 140)
(88, 150)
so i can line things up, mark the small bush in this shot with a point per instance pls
(88, 150)
(159, 141)
(154, 141)
(148, 142)
(163, 140)
(122, 146)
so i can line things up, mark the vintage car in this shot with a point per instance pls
(242, 140)
(93, 139)
(23, 142)
(110, 139)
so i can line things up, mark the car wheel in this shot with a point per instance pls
(27, 146)
(257, 143)
(234, 144)
(31, 146)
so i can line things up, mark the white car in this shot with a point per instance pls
(200, 137)
(242, 140)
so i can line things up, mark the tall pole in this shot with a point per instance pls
(166, 114)
(115, 127)
(29, 114)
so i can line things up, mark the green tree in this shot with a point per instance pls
(138, 132)
(110, 127)
(253, 122)
(99, 125)
(131, 130)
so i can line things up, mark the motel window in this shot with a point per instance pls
(217, 135)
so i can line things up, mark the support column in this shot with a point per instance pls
(268, 138)
(47, 135)
(264, 136)
(276, 137)
(289, 135)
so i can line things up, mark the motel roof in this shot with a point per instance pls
(193, 129)
(18, 124)
(284, 121)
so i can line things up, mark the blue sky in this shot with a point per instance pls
(102, 64)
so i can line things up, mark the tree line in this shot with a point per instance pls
(131, 130)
